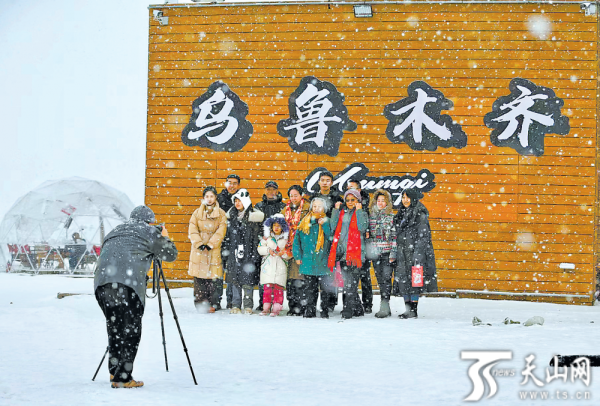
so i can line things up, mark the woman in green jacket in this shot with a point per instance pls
(311, 249)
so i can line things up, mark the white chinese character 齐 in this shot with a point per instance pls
(520, 107)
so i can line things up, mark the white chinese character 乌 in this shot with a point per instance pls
(208, 121)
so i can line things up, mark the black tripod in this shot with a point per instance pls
(157, 276)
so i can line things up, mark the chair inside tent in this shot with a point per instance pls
(60, 226)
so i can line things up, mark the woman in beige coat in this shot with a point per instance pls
(207, 229)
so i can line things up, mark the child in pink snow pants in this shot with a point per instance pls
(273, 272)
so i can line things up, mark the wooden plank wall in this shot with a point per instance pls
(501, 221)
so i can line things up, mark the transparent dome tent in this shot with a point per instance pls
(61, 225)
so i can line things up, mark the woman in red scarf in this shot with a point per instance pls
(348, 226)
(294, 211)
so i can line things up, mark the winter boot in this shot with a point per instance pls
(407, 307)
(212, 309)
(235, 310)
(130, 384)
(325, 313)
(276, 309)
(346, 314)
(202, 307)
(384, 310)
(266, 309)
(411, 312)
(248, 310)
(358, 311)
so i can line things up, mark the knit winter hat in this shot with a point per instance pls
(244, 197)
(354, 193)
(209, 189)
(143, 214)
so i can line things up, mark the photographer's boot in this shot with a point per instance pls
(266, 309)
(276, 309)
(131, 384)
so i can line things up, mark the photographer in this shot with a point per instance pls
(120, 287)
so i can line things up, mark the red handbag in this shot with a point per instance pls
(417, 276)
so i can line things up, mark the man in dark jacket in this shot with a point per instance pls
(120, 287)
(331, 196)
(272, 200)
(271, 204)
(232, 185)
(329, 296)
(366, 285)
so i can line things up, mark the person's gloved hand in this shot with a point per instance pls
(205, 247)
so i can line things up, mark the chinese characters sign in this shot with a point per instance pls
(521, 119)
(318, 118)
(218, 121)
(417, 120)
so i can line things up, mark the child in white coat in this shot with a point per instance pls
(273, 273)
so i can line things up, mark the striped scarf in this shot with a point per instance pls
(293, 219)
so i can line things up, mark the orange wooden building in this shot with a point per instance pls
(506, 224)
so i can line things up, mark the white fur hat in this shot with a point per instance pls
(244, 197)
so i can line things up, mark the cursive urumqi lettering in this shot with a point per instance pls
(424, 181)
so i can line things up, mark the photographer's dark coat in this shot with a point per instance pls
(414, 248)
(240, 246)
(127, 253)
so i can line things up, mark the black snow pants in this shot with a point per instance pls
(123, 311)
(383, 272)
(295, 288)
(366, 286)
(352, 304)
(204, 291)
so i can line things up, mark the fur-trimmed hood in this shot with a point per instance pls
(389, 209)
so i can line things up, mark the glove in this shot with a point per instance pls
(204, 247)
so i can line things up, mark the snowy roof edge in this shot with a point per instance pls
(336, 2)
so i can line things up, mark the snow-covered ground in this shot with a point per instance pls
(51, 347)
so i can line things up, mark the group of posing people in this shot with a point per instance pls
(307, 246)
(310, 245)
